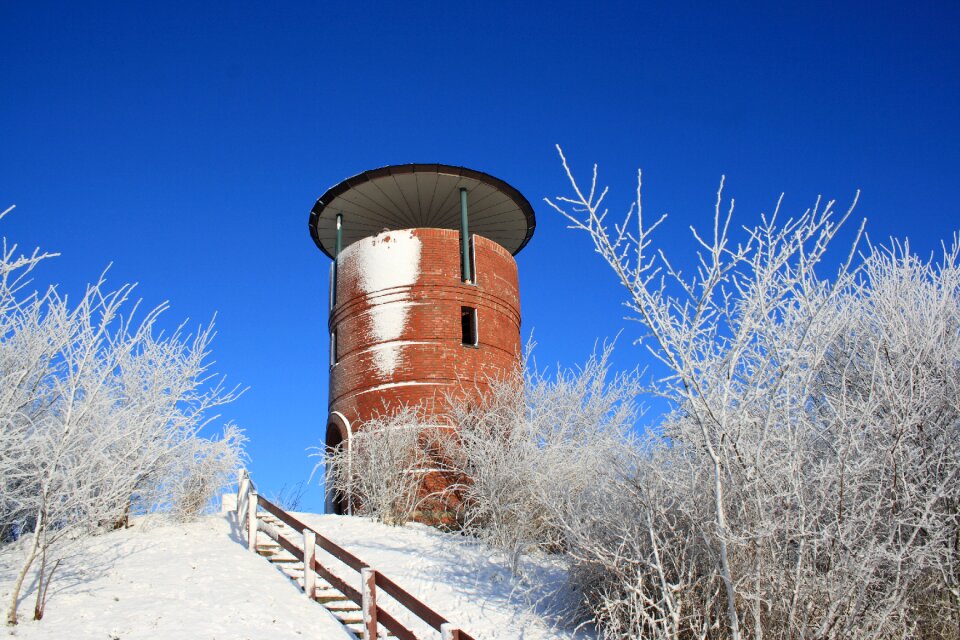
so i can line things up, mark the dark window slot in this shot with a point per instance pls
(468, 326)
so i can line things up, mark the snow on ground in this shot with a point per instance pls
(199, 581)
(156, 581)
(459, 578)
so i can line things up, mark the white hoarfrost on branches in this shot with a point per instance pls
(380, 473)
(514, 455)
(536, 446)
(100, 416)
(807, 482)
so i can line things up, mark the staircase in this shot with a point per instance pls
(331, 571)
(343, 608)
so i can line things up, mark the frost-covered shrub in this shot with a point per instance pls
(205, 466)
(100, 416)
(536, 445)
(380, 473)
(510, 457)
(806, 483)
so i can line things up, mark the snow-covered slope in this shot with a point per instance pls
(457, 577)
(157, 581)
(199, 581)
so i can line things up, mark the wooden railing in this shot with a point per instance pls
(371, 581)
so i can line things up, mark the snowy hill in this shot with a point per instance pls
(198, 580)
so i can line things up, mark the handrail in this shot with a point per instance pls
(393, 625)
(324, 543)
(247, 490)
(274, 535)
(337, 583)
(421, 610)
(414, 606)
(281, 515)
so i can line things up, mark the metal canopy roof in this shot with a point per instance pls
(421, 195)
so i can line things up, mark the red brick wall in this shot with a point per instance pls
(427, 357)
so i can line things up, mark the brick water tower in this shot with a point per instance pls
(424, 296)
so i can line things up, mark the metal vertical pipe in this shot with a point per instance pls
(465, 267)
(336, 258)
(336, 250)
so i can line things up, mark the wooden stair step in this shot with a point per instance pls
(348, 617)
(357, 631)
(293, 577)
(268, 551)
(354, 623)
(331, 598)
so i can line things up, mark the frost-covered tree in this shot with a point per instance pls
(534, 446)
(504, 458)
(100, 415)
(805, 483)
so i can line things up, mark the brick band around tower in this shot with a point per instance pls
(399, 322)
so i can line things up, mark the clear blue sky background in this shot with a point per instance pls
(186, 142)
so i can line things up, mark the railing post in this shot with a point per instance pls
(309, 554)
(368, 592)
(447, 632)
(243, 490)
(252, 521)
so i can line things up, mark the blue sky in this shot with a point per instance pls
(185, 143)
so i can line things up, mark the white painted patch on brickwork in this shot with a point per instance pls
(386, 261)
(391, 259)
(386, 356)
